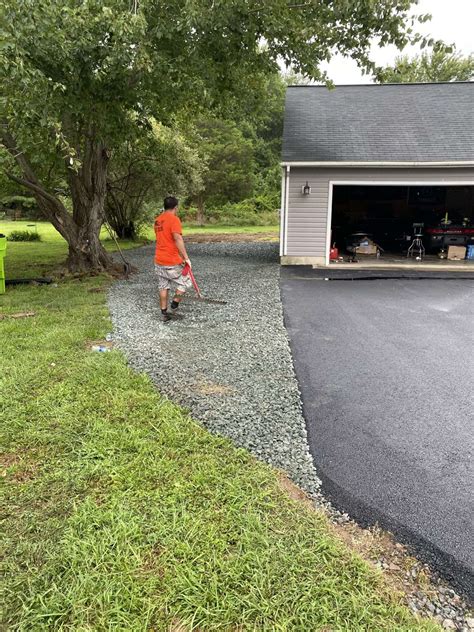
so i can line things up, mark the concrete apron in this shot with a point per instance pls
(356, 272)
(442, 265)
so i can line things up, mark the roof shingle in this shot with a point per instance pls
(432, 122)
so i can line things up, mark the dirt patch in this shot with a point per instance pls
(177, 626)
(7, 461)
(294, 492)
(211, 388)
(152, 562)
(18, 315)
(97, 290)
(17, 468)
(230, 237)
(379, 548)
(402, 572)
(99, 343)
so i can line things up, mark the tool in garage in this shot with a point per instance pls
(188, 271)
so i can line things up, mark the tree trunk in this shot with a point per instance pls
(127, 231)
(118, 214)
(88, 191)
(200, 218)
(87, 255)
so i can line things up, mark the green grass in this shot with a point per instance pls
(26, 259)
(192, 229)
(38, 258)
(119, 512)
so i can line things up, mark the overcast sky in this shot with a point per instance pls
(452, 22)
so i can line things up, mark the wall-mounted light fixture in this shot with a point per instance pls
(306, 189)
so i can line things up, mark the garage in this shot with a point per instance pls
(404, 220)
(379, 175)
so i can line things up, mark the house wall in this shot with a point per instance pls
(306, 218)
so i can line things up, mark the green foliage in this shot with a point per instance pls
(241, 156)
(265, 130)
(440, 64)
(80, 77)
(109, 63)
(260, 210)
(22, 201)
(24, 235)
(142, 172)
(227, 161)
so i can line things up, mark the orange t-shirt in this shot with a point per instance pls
(166, 253)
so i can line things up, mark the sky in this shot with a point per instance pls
(452, 21)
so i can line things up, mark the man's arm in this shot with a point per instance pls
(179, 241)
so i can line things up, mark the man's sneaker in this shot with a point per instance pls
(171, 316)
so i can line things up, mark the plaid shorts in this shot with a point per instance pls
(171, 275)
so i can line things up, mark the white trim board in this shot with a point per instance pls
(329, 223)
(450, 164)
(287, 202)
(282, 207)
(392, 183)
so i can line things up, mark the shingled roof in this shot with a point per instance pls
(430, 122)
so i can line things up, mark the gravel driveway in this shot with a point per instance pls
(229, 364)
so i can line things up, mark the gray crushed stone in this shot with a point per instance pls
(230, 365)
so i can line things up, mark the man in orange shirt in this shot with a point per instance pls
(170, 258)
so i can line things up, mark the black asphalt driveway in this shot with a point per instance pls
(386, 371)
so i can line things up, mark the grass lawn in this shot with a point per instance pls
(119, 512)
(37, 258)
(191, 229)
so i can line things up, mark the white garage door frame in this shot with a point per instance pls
(382, 183)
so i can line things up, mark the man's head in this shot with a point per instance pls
(170, 203)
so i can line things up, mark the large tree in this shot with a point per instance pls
(440, 64)
(80, 76)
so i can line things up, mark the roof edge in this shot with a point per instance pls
(380, 163)
(381, 85)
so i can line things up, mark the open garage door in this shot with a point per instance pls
(385, 219)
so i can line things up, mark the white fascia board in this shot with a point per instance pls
(460, 163)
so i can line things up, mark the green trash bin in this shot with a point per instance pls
(3, 252)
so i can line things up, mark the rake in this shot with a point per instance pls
(199, 297)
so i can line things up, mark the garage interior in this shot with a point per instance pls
(401, 224)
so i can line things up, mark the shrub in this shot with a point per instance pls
(23, 235)
(260, 210)
(20, 206)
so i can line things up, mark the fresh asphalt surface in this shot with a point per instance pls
(386, 371)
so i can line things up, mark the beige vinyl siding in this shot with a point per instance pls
(307, 220)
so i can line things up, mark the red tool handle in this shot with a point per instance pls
(187, 270)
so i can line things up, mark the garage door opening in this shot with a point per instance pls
(379, 222)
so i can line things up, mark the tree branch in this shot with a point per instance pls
(36, 188)
(22, 161)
